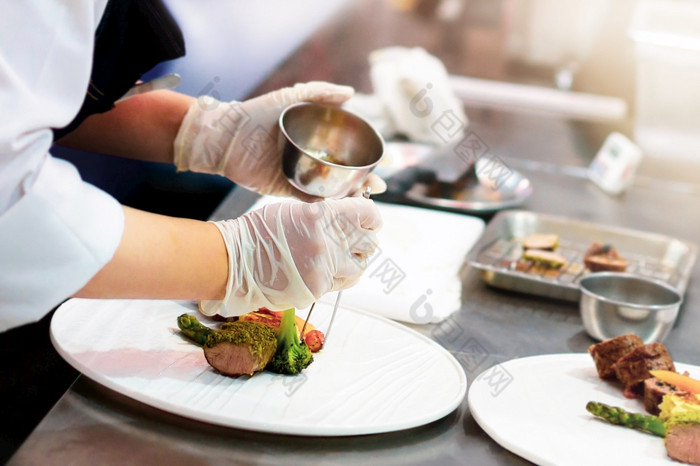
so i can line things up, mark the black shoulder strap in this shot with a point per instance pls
(133, 36)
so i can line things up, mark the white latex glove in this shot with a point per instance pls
(289, 254)
(240, 139)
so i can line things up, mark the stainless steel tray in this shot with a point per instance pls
(497, 253)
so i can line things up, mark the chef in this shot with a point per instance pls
(63, 64)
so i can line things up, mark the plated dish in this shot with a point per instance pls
(536, 408)
(373, 376)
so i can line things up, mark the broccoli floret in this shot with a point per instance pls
(292, 356)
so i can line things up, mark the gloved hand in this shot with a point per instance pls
(289, 254)
(240, 139)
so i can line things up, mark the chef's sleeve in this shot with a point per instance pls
(56, 231)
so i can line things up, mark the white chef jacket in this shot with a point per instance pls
(56, 231)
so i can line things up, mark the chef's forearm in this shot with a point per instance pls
(142, 127)
(163, 258)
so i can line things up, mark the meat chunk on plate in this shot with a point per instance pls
(683, 443)
(633, 368)
(606, 353)
(241, 348)
(654, 391)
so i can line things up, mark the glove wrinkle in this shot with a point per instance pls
(281, 257)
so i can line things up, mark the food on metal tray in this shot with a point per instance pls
(544, 241)
(544, 258)
(237, 348)
(538, 255)
(633, 368)
(604, 257)
(606, 353)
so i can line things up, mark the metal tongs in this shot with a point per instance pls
(365, 194)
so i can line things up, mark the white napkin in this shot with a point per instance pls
(414, 274)
(415, 90)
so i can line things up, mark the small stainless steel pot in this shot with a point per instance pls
(614, 303)
(327, 151)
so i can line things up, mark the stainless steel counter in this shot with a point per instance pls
(93, 425)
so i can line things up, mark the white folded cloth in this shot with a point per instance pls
(414, 276)
(415, 90)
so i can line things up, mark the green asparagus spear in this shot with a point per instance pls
(193, 329)
(618, 416)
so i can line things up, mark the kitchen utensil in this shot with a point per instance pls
(615, 303)
(365, 194)
(306, 321)
(327, 151)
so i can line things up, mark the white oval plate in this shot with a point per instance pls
(536, 408)
(373, 376)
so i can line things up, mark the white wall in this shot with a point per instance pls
(234, 44)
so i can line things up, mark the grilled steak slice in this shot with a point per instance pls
(237, 359)
(605, 263)
(600, 257)
(683, 443)
(543, 241)
(241, 348)
(654, 391)
(633, 368)
(606, 353)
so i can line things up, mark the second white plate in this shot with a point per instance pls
(536, 408)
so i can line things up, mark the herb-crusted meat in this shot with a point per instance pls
(238, 348)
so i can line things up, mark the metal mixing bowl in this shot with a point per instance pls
(614, 303)
(327, 151)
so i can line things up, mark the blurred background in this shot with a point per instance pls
(645, 53)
